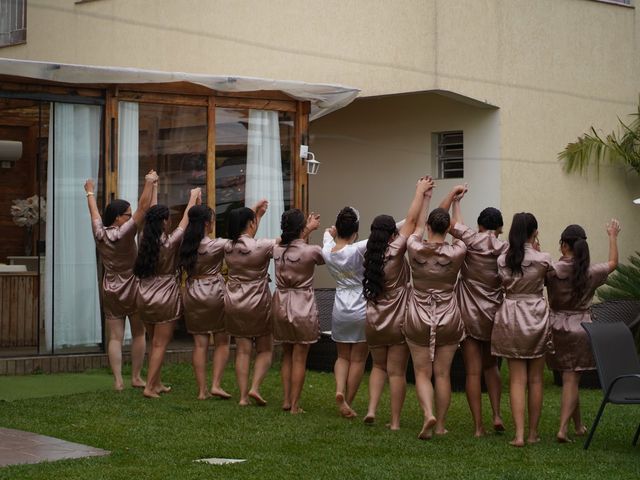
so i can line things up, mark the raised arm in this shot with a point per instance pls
(145, 199)
(313, 222)
(89, 188)
(422, 218)
(408, 226)
(613, 229)
(456, 192)
(260, 208)
(193, 200)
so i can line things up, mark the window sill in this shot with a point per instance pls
(613, 2)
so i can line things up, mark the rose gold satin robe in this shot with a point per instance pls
(159, 296)
(248, 298)
(433, 316)
(570, 340)
(118, 250)
(479, 290)
(521, 325)
(293, 311)
(204, 293)
(386, 315)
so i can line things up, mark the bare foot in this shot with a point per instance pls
(286, 407)
(393, 428)
(498, 426)
(369, 419)
(163, 389)
(480, 432)
(563, 439)
(516, 443)
(532, 440)
(118, 386)
(444, 431)
(296, 410)
(581, 432)
(244, 402)
(426, 433)
(220, 393)
(138, 383)
(255, 396)
(339, 398)
(204, 396)
(150, 393)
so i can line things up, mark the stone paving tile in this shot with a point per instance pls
(18, 447)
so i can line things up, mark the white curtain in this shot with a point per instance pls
(264, 172)
(72, 304)
(128, 181)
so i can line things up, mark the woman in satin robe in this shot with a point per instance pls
(248, 298)
(386, 284)
(521, 331)
(293, 310)
(433, 328)
(201, 259)
(571, 287)
(159, 300)
(115, 237)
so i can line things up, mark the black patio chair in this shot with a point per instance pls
(618, 367)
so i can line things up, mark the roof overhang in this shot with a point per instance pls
(324, 98)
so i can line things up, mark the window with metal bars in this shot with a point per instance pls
(13, 22)
(450, 154)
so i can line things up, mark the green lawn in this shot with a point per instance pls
(159, 439)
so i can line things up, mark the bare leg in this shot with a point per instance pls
(570, 381)
(341, 371)
(162, 334)
(397, 358)
(535, 384)
(359, 354)
(517, 393)
(264, 348)
(285, 374)
(581, 430)
(115, 326)
(494, 384)
(472, 354)
(220, 359)
(138, 347)
(298, 371)
(442, 372)
(423, 369)
(377, 380)
(243, 359)
(201, 346)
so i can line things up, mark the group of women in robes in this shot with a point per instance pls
(399, 293)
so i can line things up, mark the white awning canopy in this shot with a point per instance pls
(324, 98)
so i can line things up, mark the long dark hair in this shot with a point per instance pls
(238, 220)
(199, 215)
(522, 227)
(149, 248)
(383, 228)
(116, 208)
(575, 238)
(347, 222)
(292, 224)
(439, 220)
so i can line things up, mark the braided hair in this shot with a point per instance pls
(149, 249)
(347, 222)
(522, 227)
(116, 208)
(238, 220)
(292, 224)
(383, 228)
(439, 221)
(575, 238)
(199, 215)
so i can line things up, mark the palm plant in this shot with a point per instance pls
(591, 148)
(623, 284)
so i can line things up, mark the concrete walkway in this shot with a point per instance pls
(18, 447)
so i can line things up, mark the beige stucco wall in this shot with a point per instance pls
(553, 67)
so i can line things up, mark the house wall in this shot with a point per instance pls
(552, 67)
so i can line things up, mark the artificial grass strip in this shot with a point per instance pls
(161, 438)
(36, 386)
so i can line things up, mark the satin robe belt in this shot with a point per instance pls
(122, 273)
(523, 296)
(431, 299)
(215, 276)
(249, 282)
(294, 289)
